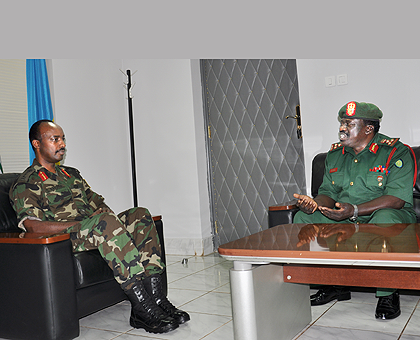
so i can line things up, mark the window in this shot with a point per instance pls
(14, 141)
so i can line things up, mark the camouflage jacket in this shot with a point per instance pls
(62, 196)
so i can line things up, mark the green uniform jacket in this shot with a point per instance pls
(62, 196)
(384, 167)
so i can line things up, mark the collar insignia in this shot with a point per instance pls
(43, 176)
(374, 148)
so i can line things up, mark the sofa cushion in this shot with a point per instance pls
(8, 220)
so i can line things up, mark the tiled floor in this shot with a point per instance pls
(202, 288)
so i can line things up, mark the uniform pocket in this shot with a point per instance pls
(57, 196)
(376, 181)
(337, 181)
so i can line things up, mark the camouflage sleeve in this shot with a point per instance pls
(96, 201)
(25, 198)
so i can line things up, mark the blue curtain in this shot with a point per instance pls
(38, 93)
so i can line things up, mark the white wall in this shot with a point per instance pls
(90, 104)
(393, 85)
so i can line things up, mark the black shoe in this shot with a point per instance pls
(388, 307)
(330, 293)
(145, 313)
(153, 285)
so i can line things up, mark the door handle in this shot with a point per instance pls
(298, 122)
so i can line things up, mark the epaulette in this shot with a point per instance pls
(335, 146)
(389, 141)
(69, 171)
(24, 177)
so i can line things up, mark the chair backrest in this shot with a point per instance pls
(8, 221)
(318, 166)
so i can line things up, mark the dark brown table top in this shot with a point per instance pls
(381, 244)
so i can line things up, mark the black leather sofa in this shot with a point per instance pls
(46, 288)
(283, 213)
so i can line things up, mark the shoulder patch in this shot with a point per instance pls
(399, 163)
(389, 141)
(335, 146)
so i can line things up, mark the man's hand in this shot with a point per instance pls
(306, 203)
(343, 231)
(307, 234)
(343, 211)
(104, 209)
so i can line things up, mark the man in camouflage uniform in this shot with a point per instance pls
(368, 178)
(53, 199)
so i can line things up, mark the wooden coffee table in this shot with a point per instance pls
(271, 271)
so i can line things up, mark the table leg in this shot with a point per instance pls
(264, 307)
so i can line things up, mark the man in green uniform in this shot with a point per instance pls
(368, 178)
(54, 199)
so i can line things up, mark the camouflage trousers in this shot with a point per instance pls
(129, 243)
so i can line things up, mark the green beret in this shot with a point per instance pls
(360, 110)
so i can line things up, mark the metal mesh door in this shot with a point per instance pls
(255, 156)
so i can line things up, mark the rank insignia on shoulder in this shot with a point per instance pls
(389, 142)
(374, 148)
(335, 146)
(399, 163)
(65, 173)
(43, 176)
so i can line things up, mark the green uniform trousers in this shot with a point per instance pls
(128, 243)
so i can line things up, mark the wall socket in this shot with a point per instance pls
(332, 81)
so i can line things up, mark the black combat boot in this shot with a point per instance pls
(153, 285)
(145, 313)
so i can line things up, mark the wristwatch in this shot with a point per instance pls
(355, 213)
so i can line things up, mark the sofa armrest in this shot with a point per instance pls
(282, 213)
(37, 291)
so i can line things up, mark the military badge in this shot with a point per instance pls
(399, 163)
(374, 148)
(43, 176)
(390, 142)
(351, 109)
(335, 146)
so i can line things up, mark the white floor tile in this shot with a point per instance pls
(202, 288)
(114, 318)
(413, 327)
(223, 289)
(211, 303)
(198, 281)
(329, 333)
(361, 316)
(198, 327)
(179, 297)
(409, 337)
(223, 333)
(96, 334)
